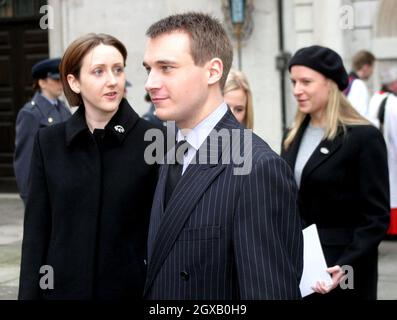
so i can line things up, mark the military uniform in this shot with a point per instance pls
(36, 114)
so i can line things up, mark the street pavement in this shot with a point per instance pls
(11, 221)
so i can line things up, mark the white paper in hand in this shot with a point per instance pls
(314, 265)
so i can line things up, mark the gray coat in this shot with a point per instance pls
(37, 113)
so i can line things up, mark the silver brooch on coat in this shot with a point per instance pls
(324, 150)
(119, 128)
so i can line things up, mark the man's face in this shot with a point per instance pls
(367, 71)
(178, 88)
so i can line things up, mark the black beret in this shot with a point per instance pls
(323, 60)
(46, 68)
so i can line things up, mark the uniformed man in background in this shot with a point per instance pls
(45, 109)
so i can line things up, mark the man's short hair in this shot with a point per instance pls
(208, 39)
(361, 58)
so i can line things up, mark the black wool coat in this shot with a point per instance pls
(88, 209)
(345, 191)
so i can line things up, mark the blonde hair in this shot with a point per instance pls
(339, 113)
(237, 80)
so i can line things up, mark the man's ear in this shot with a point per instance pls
(73, 83)
(215, 68)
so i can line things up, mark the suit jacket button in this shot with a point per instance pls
(185, 275)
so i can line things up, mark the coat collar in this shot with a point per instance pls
(118, 127)
(43, 104)
(324, 151)
(194, 182)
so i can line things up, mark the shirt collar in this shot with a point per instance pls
(196, 136)
(53, 102)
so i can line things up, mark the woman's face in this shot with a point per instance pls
(101, 81)
(51, 88)
(311, 90)
(237, 101)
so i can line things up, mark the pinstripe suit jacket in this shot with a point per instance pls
(227, 236)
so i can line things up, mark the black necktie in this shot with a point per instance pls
(175, 170)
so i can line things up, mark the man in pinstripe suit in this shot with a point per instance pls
(223, 233)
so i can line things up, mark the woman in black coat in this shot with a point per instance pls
(91, 190)
(340, 166)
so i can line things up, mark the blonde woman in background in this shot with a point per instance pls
(238, 97)
(340, 166)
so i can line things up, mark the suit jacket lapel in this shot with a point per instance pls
(192, 185)
(324, 151)
(157, 210)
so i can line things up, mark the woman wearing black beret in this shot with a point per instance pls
(340, 165)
